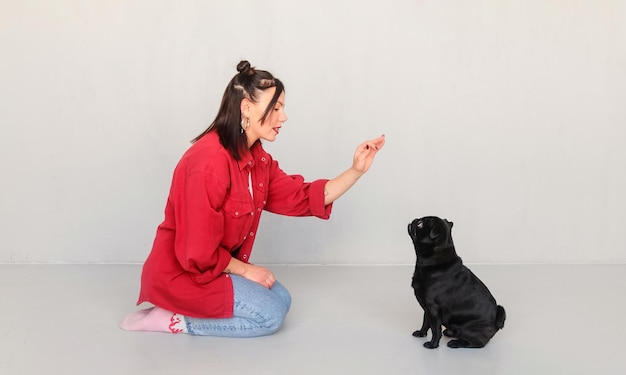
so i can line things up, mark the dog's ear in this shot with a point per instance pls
(450, 224)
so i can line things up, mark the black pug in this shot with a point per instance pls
(450, 294)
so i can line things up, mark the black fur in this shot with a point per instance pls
(450, 294)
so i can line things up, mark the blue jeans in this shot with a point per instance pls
(258, 311)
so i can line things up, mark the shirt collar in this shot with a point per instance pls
(248, 156)
(246, 161)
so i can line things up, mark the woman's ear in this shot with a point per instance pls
(245, 107)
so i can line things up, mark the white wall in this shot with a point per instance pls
(505, 116)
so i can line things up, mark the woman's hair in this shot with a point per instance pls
(247, 84)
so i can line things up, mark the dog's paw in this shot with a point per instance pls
(463, 344)
(419, 333)
(430, 345)
(449, 333)
(457, 344)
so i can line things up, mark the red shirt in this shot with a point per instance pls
(210, 217)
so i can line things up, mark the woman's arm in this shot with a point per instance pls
(363, 158)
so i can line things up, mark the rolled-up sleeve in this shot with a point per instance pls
(290, 195)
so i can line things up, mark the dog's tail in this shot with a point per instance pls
(500, 317)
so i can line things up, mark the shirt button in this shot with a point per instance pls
(245, 256)
(251, 233)
(258, 209)
(252, 213)
(236, 213)
(262, 159)
(261, 184)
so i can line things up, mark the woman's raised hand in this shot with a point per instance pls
(365, 153)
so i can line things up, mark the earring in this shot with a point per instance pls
(246, 127)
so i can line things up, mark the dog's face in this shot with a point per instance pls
(430, 234)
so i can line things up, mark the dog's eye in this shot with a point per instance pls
(420, 224)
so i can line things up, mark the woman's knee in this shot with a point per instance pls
(274, 314)
(282, 293)
(263, 318)
(265, 308)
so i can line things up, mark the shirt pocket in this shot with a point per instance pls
(237, 221)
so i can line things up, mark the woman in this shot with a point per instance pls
(198, 274)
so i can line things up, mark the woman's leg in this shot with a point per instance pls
(258, 311)
(282, 293)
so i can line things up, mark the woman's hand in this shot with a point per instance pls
(259, 275)
(363, 158)
(365, 153)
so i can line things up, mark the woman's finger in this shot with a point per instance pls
(376, 143)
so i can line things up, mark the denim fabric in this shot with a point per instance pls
(258, 311)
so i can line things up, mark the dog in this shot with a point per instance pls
(448, 292)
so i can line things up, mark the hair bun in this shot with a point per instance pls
(245, 68)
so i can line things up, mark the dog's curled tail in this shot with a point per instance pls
(500, 317)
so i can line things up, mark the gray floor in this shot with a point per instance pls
(561, 319)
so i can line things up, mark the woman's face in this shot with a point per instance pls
(269, 129)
